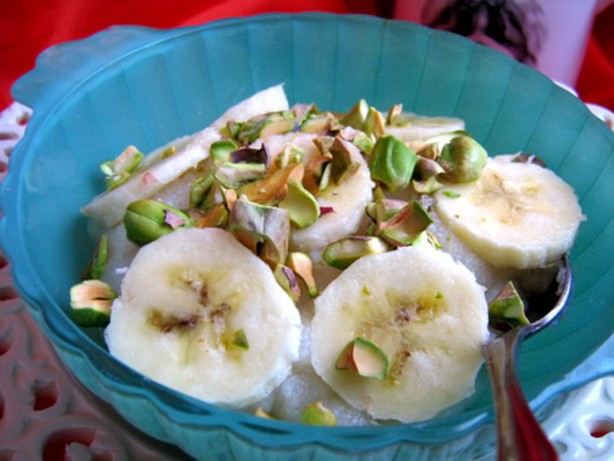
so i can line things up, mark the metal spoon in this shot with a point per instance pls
(519, 434)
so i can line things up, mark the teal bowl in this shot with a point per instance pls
(132, 85)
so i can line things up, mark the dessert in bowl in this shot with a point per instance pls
(146, 87)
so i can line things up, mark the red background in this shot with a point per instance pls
(27, 27)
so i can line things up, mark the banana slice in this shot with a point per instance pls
(427, 316)
(201, 314)
(420, 128)
(159, 170)
(517, 215)
(346, 202)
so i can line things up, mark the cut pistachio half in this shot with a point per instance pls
(392, 163)
(146, 220)
(203, 192)
(364, 358)
(90, 303)
(508, 307)
(316, 414)
(271, 189)
(233, 175)
(343, 252)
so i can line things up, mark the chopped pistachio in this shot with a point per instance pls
(375, 124)
(325, 177)
(508, 307)
(286, 278)
(270, 226)
(357, 115)
(342, 164)
(146, 220)
(290, 155)
(220, 151)
(433, 146)
(90, 303)
(249, 155)
(216, 216)
(302, 266)
(462, 159)
(393, 113)
(343, 252)
(119, 170)
(203, 192)
(364, 358)
(426, 186)
(314, 173)
(427, 168)
(261, 126)
(271, 189)
(364, 142)
(383, 209)
(302, 206)
(320, 124)
(316, 414)
(451, 194)
(427, 238)
(303, 111)
(239, 339)
(262, 414)
(99, 260)
(392, 163)
(234, 175)
(406, 225)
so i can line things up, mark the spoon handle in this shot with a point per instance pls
(520, 436)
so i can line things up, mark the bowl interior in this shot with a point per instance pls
(163, 84)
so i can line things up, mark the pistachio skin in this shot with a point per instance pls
(316, 414)
(462, 159)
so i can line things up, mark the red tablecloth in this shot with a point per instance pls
(29, 26)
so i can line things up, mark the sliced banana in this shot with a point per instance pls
(109, 207)
(424, 311)
(517, 215)
(420, 128)
(201, 314)
(347, 200)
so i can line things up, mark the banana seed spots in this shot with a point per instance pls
(166, 323)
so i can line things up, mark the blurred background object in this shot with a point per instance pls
(568, 40)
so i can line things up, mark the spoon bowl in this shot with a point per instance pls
(519, 434)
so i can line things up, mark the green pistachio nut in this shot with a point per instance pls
(90, 303)
(147, 220)
(392, 163)
(316, 414)
(343, 252)
(405, 226)
(342, 165)
(508, 307)
(364, 358)
(463, 159)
